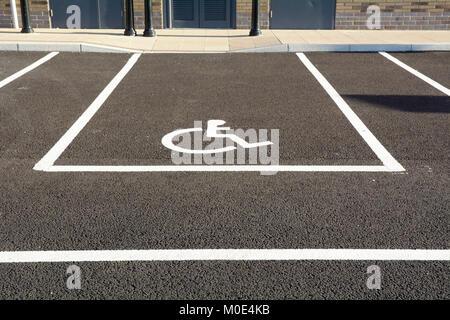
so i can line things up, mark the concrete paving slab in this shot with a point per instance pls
(189, 40)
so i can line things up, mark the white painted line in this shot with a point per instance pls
(417, 73)
(381, 152)
(218, 168)
(27, 69)
(89, 47)
(225, 255)
(54, 153)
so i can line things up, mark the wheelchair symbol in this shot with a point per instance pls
(212, 131)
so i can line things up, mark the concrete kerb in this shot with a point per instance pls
(387, 47)
(305, 47)
(296, 47)
(431, 47)
(49, 46)
(274, 48)
(62, 47)
(391, 47)
(86, 47)
(9, 46)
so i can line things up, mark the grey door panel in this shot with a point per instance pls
(111, 14)
(201, 13)
(302, 14)
(215, 13)
(185, 13)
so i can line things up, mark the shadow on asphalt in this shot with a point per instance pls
(418, 104)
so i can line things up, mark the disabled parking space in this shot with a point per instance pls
(243, 210)
(409, 116)
(163, 93)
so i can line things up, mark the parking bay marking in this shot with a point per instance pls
(25, 70)
(224, 255)
(49, 159)
(47, 162)
(418, 74)
(381, 152)
(390, 164)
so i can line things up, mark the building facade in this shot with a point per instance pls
(276, 14)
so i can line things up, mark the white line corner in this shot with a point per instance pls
(381, 152)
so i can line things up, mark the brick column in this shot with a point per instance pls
(157, 8)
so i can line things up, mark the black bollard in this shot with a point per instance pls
(129, 18)
(255, 31)
(149, 31)
(25, 9)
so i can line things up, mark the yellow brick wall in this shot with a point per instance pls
(395, 14)
(244, 11)
(393, 5)
(39, 13)
(35, 5)
(157, 13)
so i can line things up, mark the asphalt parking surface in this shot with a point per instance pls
(182, 210)
(12, 62)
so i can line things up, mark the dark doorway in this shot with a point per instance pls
(305, 14)
(201, 13)
(87, 14)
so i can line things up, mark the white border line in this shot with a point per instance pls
(417, 73)
(47, 162)
(27, 69)
(49, 159)
(89, 47)
(224, 255)
(218, 168)
(381, 152)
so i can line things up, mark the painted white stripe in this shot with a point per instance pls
(217, 168)
(417, 73)
(225, 255)
(31, 67)
(381, 152)
(89, 47)
(68, 137)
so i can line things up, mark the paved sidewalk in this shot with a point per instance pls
(220, 40)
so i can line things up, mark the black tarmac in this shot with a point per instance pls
(181, 210)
